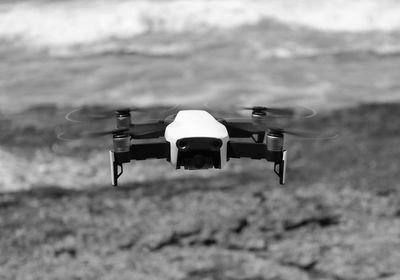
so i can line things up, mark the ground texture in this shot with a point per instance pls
(338, 218)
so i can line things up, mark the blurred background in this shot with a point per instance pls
(337, 218)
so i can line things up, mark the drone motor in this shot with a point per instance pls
(274, 146)
(259, 116)
(121, 143)
(123, 118)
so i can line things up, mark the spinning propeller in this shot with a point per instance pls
(251, 127)
(300, 134)
(298, 111)
(137, 130)
(86, 114)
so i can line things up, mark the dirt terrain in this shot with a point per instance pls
(338, 217)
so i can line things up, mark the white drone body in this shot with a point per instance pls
(195, 124)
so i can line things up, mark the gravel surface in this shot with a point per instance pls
(338, 218)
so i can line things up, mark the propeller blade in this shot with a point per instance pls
(277, 111)
(305, 134)
(92, 134)
(86, 114)
(298, 111)
(142, 130)
(60, 133)
(251, 127)
(136, 131)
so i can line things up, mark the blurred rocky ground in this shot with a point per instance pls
(338, 217)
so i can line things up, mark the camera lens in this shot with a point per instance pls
(199, 161)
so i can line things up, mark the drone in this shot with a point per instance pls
(194, 139)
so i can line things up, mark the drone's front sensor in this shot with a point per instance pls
(217, 143)
(182, 145)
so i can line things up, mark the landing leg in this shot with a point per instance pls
(280, 168)
(114, 169)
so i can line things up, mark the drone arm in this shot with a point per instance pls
(248, 150)
(144, 151)
(150, 130)
(140, 151)
(259, 151)
(151, 134)
(237, 133)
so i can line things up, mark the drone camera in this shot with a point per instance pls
(198, 160)
(199, 153)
